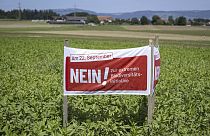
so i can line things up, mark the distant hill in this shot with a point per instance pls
(163, 14)
(71, 10)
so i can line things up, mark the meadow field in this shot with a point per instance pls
(31, 82)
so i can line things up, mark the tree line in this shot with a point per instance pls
(157, 20)
(90, 17)
(27, 14)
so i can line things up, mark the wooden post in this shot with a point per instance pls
(65, 101)
(151, 96)
(157, 41)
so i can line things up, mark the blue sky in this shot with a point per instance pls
(109, 6)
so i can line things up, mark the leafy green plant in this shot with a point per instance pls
(31, 92)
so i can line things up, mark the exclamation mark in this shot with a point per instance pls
(106, 73)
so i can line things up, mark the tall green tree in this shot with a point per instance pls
(2, 14)
(134, 21)
(181, 21)
(156, 20)
(171, 20)
(144, 20)
(92, 19)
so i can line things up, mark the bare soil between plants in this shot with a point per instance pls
(124, 34)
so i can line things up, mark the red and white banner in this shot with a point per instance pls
(124, 71)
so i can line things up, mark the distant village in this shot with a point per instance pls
(103, 20)
(81, 20)
(85, 18)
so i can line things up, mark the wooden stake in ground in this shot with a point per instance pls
(65, 101)
(151, 97)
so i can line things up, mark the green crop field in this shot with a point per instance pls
(182, 32)
(31, 90)
(20, 26)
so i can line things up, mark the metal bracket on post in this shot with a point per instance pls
(65, 100)
(151, 96)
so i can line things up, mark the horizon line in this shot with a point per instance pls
(107, 12)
